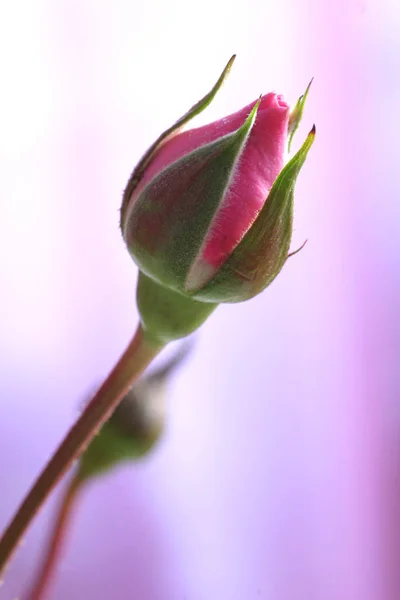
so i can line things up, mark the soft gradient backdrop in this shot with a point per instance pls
(279, 474)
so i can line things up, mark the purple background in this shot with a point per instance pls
(278, 477)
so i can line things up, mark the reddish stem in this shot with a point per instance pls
(56, 541)
(138, 355)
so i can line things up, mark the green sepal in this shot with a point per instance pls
(263, 251)
(170, 219)
(167, 315)
(188, 116)
(296, 115)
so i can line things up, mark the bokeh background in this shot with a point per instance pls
(278, 476)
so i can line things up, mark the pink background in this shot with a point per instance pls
(278, 477)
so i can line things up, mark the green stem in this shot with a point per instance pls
(138, 355)
(59, 530)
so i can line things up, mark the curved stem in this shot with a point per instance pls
(139, 353)
(56, 541)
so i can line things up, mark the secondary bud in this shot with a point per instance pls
(136, 425)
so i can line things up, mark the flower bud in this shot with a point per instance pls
(207, 214)
(136, 425)
(129, 434)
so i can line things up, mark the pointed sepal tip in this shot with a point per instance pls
(297, 114)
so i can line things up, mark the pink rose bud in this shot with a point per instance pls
(208, 212)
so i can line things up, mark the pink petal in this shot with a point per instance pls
(259, 165)
(187, 141)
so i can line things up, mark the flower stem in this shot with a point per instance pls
(137, 356)
(56, 541)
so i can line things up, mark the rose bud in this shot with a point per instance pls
(137, 424)
(207, 214)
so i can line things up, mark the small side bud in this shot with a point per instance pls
(135, 427)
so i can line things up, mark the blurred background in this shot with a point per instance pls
(278, 475)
